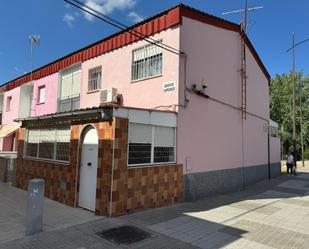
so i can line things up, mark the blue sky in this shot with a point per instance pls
(64, 29)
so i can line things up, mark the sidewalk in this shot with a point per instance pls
(271, 214)
(13, 202)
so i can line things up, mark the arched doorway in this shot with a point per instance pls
(88, 168)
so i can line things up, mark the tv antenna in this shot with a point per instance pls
(243, 14)
(243, 70)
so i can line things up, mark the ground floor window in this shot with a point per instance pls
(48, 143)
(151, 144)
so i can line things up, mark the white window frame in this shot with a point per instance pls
(144, 49)
(66, 73)
(99, 82)
(40, 94)
(152, 148)
(37, 158)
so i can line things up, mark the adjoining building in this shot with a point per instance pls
(125, 124)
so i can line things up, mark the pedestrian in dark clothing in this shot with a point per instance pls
(290, 164)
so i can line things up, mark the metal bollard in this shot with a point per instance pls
(34, 215)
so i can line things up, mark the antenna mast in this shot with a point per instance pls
(243, 70)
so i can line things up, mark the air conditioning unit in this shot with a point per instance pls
(108, 96)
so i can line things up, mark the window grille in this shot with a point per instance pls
(164, 140)
(63, 137)
(48, 143)
(151, 144)
(163, 154)
(139, 153)
(146, 62)
(32, 143)
(94, 78)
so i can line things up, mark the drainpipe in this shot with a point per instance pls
(76, 169)
(268, 151)
(113, 164)
(243, 153)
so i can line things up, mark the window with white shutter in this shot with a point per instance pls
(150, 144)
(48, 143)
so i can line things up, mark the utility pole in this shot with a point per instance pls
(301, 123)
(294, 89)
(293, 105)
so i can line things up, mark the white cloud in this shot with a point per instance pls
(107, 6)
(135, 17)
(69, 19)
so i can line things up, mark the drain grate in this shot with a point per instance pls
(124, 235)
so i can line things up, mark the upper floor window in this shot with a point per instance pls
(41, 95)
(69, 94)
(9, 103)
(146, 62)
(94, 78)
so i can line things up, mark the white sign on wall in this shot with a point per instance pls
(169, 86)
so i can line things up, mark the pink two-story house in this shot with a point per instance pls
(129, 123)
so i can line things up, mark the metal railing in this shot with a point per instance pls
(69, 104)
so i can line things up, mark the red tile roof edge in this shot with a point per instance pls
(155, 24)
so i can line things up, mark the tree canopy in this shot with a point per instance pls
(281, 99)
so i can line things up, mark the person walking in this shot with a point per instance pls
(290, 164)
(294, 166)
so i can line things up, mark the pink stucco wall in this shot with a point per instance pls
(116, 72)
(9, 115)
(275, 150)
(8, 143)
(214, 128)
(50, 106)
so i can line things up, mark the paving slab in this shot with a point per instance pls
(270, 214)
(13, 203)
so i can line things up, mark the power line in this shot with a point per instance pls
(123, 26)
(84, 7)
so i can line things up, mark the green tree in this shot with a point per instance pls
(281, 97)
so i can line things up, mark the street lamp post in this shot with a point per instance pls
(294, 87)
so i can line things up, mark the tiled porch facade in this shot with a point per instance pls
(132, 188)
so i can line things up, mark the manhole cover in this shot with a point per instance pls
(124, 235)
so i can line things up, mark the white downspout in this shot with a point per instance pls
(76, 168)
(112, 180)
